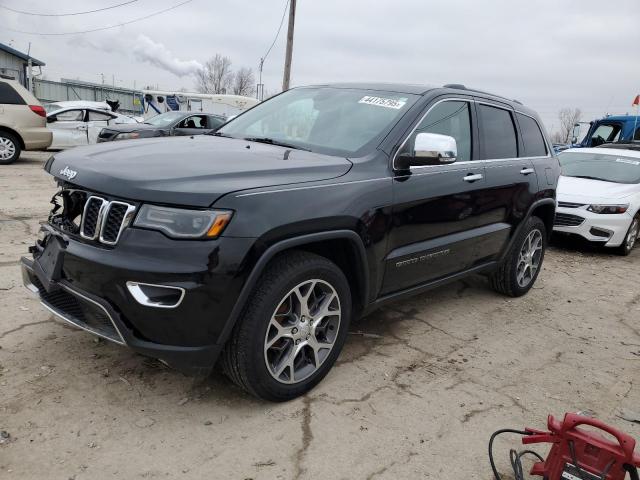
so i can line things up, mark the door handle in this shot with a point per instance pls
(527, 171)
(472, 177)
(82, 127)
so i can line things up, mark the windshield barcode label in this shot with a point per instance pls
(384, 102)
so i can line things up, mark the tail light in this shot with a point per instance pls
(38, 110)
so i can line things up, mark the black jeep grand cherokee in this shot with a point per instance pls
(258, 244)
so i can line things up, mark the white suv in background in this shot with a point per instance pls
(599, 196)
(23, 123)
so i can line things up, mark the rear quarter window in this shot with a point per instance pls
(534, 144)
(8, 96)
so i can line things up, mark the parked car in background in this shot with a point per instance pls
(22, 122)
(611, 129)
(53, 106)
(76, 126)
(163, 125)
(259, 243)
(599, 196)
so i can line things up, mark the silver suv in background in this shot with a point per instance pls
(23, 123)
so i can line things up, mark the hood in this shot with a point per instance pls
(190, 171)
(583, 190)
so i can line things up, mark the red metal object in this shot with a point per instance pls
(594, 453)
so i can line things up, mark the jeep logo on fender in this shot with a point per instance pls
(67, 172)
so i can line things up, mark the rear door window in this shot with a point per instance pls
(497, 133)
(534, 144)
(8, 95)
(99, 116)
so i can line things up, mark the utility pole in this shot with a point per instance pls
(287, 61)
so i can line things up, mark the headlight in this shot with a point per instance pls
(181, 223)
(608, 209)
(127, 136)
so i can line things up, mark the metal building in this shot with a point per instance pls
(13, 64)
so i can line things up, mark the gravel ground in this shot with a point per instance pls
(416, 392)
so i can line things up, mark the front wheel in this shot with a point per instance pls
(630, 238)
(518, 271)
(292, 329)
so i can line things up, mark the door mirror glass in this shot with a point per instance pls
(576, 133)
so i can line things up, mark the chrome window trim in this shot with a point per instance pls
(448, 99)
(103, 205)
(126, 219)
(140, 297)
(504, 106)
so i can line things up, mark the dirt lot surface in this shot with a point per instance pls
(416, 392)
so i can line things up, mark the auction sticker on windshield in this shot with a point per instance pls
(384, 102)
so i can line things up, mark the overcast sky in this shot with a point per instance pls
(548, 54)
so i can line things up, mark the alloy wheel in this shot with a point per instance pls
(302, 331)
(7, 148)
(529, 258)
(633, 234)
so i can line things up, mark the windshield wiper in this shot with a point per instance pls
(271, 141)
(219, 134)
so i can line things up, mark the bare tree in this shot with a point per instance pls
(216, 75)
(568, 118)
(244, 82)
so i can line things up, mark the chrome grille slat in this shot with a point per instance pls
(117, 217)
(92, 217)
(105, 220)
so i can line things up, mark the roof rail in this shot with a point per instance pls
(460, 86)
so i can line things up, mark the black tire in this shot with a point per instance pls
(244, 359)
(9, 140)
(628, 243)
(505, 278)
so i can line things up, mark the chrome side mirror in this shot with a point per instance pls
(429, 149)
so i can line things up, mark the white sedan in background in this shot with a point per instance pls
(599, 196)
(74, 126)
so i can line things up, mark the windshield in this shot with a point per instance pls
(338, 121)
(164, 119)
(599, 166)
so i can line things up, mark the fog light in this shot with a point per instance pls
(600, 232)
(158, 296)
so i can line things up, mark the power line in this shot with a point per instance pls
(101, 28)
(284, 13)
(22, 12)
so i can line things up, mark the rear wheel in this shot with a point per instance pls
(630, 238)
(9, 148)
(292, 329)
(519, 269)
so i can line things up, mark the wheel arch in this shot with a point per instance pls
(545, 210)
(344, 247)
(14, 133)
